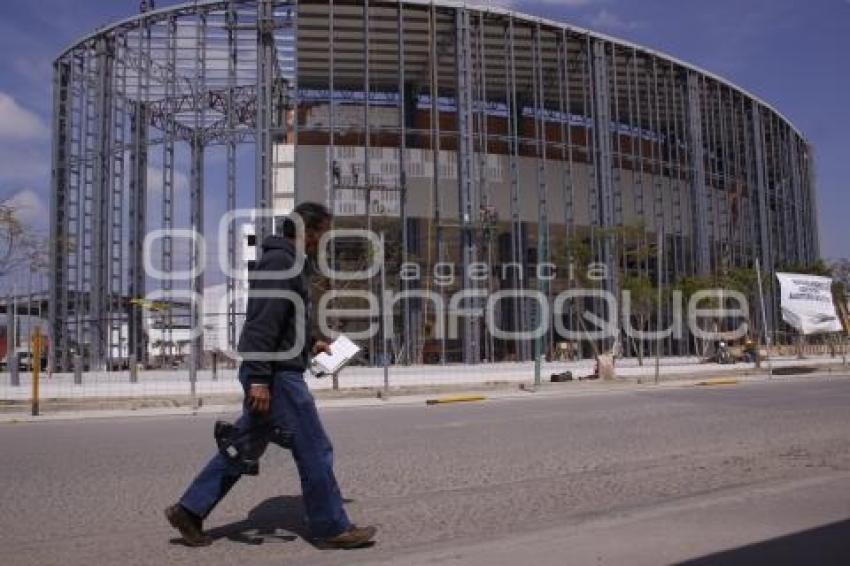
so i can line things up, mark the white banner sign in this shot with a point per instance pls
(807, 303)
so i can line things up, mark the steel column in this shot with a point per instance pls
(196, 203)
(542, 196)
(766, 248)
(603, 161)
(811, 201)
(655, 157)
(487, 220)
(434, 90)
(664, 143)
(196, 183)
(749, 208)
(137, 349)
(167, 206)
(265, 96)
(699, 205)
(367, 158)
(636, 152)
(514, 106)
(724, 183)
(59, 205)
(678, 143)
(466, 179)
(231, 21)
(116, 304)
(102, 187)
(793, 192)
(772, 182)
(86, 147)
(765, 244)
(567, 185)
(407, 349)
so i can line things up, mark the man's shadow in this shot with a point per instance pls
(277, 519)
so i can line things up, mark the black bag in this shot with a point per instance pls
(562, 377)
(244, 448)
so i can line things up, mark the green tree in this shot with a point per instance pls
(643, 299)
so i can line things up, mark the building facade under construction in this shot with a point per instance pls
(462, 135)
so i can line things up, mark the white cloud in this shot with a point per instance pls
(181, 181)
(607, 20)
(24, 145)
(30, 208)
(19, 124)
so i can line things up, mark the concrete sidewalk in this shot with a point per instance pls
(228, 405)
(166, 384)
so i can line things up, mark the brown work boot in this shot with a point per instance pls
(354, 537)
(189, 525)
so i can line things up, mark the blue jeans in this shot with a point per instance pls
(292, 408)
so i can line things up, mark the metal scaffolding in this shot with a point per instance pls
(466, 134)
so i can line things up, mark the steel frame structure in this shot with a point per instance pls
(596, 134)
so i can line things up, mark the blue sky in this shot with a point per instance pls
(791, 53)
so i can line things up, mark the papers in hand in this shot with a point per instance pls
(343, 351)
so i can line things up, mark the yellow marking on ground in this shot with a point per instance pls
(455, 399)
(711, 382)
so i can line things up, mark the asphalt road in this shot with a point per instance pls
(648, 476)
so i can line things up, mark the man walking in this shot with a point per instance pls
(276, 394)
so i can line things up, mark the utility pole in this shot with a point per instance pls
(384, 316)
(764, 321)
(659, 266)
